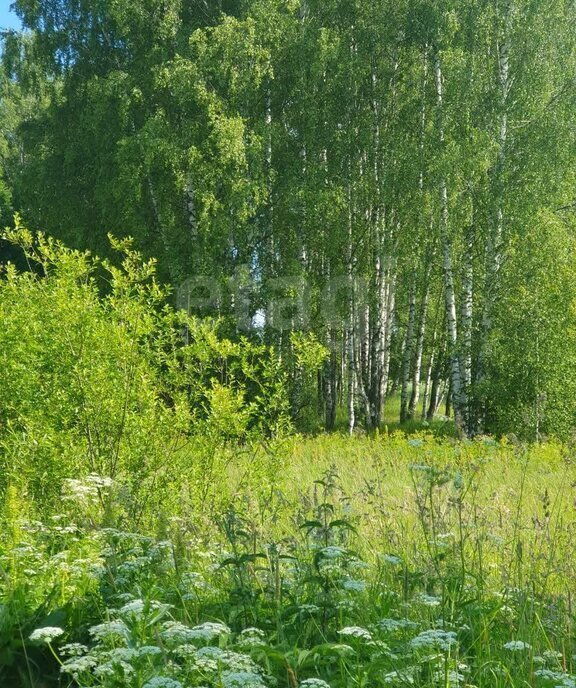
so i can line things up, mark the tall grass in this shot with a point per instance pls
(391, 560)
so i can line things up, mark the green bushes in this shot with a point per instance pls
(96, 378)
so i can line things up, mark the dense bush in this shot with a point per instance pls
(99, 375)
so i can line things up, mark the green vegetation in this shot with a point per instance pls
(395, 178)
(162, 526)
(288, 344)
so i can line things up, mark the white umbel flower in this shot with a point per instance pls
(46, 634)
(517, 646)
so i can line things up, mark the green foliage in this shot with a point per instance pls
(104, 383)
(532, 384)
(326, 583)
(268, 138)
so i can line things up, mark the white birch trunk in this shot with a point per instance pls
(449, 293)
(417, 370)
(428, 379)
(494, 243)
(407, 357)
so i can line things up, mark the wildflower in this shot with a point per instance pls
(162, 682)
(78, 666)
(228, 659)
(205, 665)
(342, 649)
(434, 639)
(558, 678)
(46, 634)
(353, 585)
(314, 683)
(516, 646)
(309, 608)
(211, 652)
(400, 677)
(149, 651)
(251, 637)
(506, 610)
(74, 649)
(109, 669)
(176, 632)
(394, 625)
(122, 654)
(133, 608)
(109, 629)
(428, 600)
(453, 678)
(392, 559)
(356, 632)
(347, 606)
(208, 631)
(241, 679)
(332, 552)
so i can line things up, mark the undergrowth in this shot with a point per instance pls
(315, 586)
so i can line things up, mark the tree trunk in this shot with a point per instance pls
(466, 312)
(449, 293)
(494, 243)
(407, 357)
(416, 371)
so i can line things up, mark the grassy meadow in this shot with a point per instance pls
(326, 561)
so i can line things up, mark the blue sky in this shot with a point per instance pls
(8, 20)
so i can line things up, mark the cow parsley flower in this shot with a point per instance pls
(434, 639)
(175, 632)
(558, 678)
(453, 678)
(400, 677)
(241, 679)
(428, 600)
(314, 683)
(309, 608)
(396, 625)
(353, 585)
(110, 669)
(205, 665)
(119, 655)
(149, 651)
(109, 629)
(392, 559)
(208, 631)
(162, 682)
(46, 634)
(332, 552)
(133, 608)
(251, 637)
(78, 666)
(74, 649)
(356, 632)
(516, 646)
